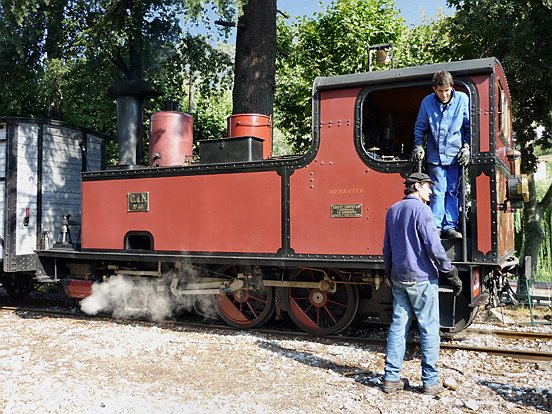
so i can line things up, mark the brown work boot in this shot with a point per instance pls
(433, 389)
(391, 386)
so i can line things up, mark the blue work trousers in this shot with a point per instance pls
(422, 298)
(444, 198)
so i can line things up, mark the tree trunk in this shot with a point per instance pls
(255, 68)
(53, 48)
(54, 35)
(136, 41)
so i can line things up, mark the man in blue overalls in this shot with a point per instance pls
(444, 119)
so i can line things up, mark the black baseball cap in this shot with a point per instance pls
(417, 178)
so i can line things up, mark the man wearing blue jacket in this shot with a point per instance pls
(413, 257)
(444, 119)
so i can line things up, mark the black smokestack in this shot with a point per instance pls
(130, 96)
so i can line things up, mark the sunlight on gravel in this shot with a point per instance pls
(72, 365)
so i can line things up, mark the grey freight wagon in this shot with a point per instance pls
(40, 183)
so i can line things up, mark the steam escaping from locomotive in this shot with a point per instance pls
(127, 297)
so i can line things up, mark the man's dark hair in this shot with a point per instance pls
(409, 189)
(442, 78)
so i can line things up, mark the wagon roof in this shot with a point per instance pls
(460, 68)
(51, 122)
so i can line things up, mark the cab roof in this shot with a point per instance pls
(414, 73)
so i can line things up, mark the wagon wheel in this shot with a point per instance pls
(320, 312)
(245, 308)
(17, 286)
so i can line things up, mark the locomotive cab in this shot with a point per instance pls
(492, 186)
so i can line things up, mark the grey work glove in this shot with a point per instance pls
(417, 154)
(453, 280)
(464, 155)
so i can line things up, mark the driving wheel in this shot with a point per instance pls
(244, 308)
(321, 312)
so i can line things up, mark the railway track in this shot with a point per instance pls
(509, 333)
(521, 354)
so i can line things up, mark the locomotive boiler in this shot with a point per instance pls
(262, 235)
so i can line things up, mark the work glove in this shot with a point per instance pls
(464, 155)
(453, 280)
(417, 154)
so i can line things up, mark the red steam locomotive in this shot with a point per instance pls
(260, 234)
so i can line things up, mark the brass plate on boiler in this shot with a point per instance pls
(138, 201)
(346, 210)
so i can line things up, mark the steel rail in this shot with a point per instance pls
(522, 354)
(508, 333)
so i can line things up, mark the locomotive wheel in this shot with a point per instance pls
(320, 312)
(18, 286)
(463, 315)
(245, 308)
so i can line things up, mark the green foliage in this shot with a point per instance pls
(210, 116)
(204, 70)
(225, 8)
(519, 34)
(332, 42)
(20, 67)
(544, 267)
(424, 44)
(95, 52)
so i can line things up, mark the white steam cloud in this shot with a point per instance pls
(128, 297)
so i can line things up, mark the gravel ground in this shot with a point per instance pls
(67, 365)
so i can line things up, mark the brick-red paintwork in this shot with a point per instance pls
(338, 176)
(501, 149)
(214, 213)
(482, 84)
(172, 138)
(252, 125)
(242, 211)
(78, 288)
(476, 282)
(484, 228)
(505, 222)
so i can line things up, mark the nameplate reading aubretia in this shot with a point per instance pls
(346, 210)
(138, 201)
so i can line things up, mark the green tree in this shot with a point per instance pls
(332, 42)
(20, 61)
(98, 43)
(427, 43)
(519, 33)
